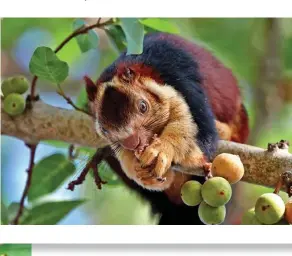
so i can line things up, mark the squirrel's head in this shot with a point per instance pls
(130, 107)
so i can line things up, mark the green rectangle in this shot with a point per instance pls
(15, 250)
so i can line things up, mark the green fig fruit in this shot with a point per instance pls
(216, 191)
(191, 193)
(269, 208)
(14, 104)
(211, 215)
(249, 218)
(6, 87)
(17, 84)
(20, 83)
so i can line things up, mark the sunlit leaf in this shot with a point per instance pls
(160, 25)
(13, 210)
(108, 175)
(86, 41)
(117, 36)
(82, 100)
(45, 64)
(4, 214)
(134, 32)
(49, 174)
(50, 213)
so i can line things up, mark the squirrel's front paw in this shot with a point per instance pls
(158, 154)
(147, 177)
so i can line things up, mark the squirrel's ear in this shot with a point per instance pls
(126, 74)
(91, 88)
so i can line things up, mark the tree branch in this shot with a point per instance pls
(27, 184)
(45, 122)
(70, 102)
(261, 166)
(91, 164)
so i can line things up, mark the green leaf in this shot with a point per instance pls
(50, 213)
(117, 37)
(15, 249)
(86, 41)
(82, 99)
(45, 64)
(108, 175)
(160, 25)
(287, 53)
(49, 174)
(12, 211)
(134, 32)
(4, 214)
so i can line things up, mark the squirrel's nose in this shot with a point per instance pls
(131, 142)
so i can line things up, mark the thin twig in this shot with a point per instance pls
(92, 163)
(287, 180)
(97, 179)
(79, 31)
(69, 101)
(278, 186)
(71, 152)
(28, 183)
(81, 178)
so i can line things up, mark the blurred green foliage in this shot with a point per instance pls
(237, 42)
(85, 41)
(15, 249)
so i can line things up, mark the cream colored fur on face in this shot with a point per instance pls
(176, 143)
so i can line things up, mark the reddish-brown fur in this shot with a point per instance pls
(215, 76)
(175, 142)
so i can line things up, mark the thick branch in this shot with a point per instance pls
(261, 167)
(45, 122)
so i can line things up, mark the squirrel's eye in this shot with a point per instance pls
(104, 131)
(143, 107)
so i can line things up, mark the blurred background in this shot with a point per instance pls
(259, 52)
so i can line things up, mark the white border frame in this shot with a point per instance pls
(143, 234)
(138, 234)
(152, 8)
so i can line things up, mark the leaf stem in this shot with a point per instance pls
(69, 101)
(98, 156)
(28, 183)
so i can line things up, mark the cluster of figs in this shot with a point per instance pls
(213, 195)
(13, 89)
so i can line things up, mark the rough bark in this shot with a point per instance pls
(261, 166)
(45, 122)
